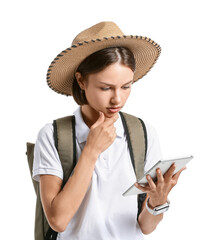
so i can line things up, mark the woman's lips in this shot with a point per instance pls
(114, 109)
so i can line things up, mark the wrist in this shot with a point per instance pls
(159, 209)
(152, 204)
(90, 152)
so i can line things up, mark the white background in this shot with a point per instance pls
(178, 97)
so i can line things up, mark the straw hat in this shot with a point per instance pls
(102, 35)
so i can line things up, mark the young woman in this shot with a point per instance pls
(98, 71)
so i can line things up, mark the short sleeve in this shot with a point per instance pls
(154, 150)
(46, 158)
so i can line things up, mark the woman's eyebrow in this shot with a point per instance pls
(114, 85)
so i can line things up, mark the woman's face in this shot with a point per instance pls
(108, 90)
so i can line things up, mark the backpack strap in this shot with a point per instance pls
(64, 136)
(30, 157)
(136, 136)
(41, 224)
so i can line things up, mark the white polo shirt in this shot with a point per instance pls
(104, 213)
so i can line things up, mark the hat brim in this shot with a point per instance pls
(61, 71)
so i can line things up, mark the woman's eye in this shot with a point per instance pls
(105, 89)
(108, 88)
(126, 87)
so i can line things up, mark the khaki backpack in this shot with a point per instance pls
(64, 136)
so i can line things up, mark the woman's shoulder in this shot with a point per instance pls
(152, 135)
(46, 131)
(151, 130)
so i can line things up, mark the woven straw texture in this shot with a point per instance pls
(102, 35)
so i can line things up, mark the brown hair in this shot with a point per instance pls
(97, 62)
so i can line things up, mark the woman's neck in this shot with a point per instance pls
(89, 115)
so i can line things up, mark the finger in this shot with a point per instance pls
(168, 175)
(160, 178)
(176, 176)
(110, 130)
(111, 120)
(150, 182)
(99, 121)
(143, 189)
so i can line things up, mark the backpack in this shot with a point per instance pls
(65, 142)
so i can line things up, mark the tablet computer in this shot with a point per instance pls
(164, 165)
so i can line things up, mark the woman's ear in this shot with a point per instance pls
(80, 80)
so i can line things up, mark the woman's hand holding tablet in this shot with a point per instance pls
(163, 175)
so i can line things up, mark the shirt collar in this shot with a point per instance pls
(82, 130)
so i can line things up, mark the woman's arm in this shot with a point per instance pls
(147, 221)
(157, 194)
(61, 205)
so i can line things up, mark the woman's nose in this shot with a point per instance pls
(116, 98)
